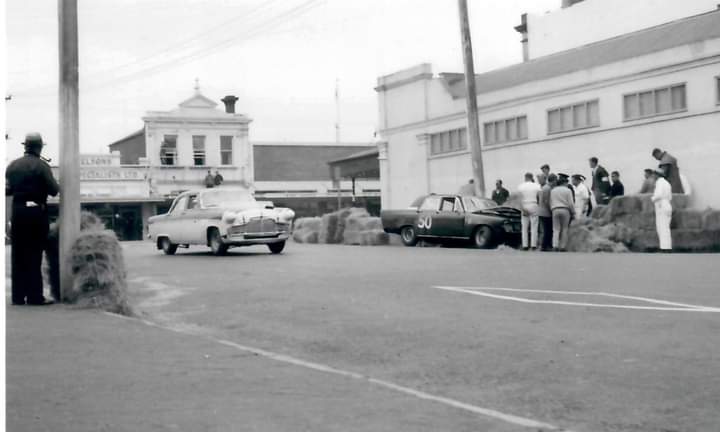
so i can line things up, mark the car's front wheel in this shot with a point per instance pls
(483, 237)
(276, 248)
(408, 236)
(168, 247)
(216, 244)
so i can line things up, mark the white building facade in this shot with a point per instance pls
(615, 99)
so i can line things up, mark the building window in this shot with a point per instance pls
(168, 150)
(507, 130)
(664, 100)
(198, 149)
(717, 89)
(576, 116)
(226, 150)
(448, 142)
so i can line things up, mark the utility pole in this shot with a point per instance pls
(69, 138)
(337, 138)
(473, 127)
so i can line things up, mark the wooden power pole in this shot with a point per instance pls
(69, 138)
(473, 127)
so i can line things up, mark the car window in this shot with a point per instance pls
(193, 202)
(179, 206)
(474, 204)
(448, 205)
(431, 203)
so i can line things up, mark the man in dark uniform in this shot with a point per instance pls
(669, 165)
(500, 194)
(29, 180)
(600, 182)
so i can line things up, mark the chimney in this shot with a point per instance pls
(229, 102)
(523, 30)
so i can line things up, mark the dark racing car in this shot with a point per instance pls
(452, 218)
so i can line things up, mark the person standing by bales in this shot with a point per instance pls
(582, 197)
(648, 185)
(671, 172)
(544, 210)
(209, 180)
(662, 198)
(563, 208)
(545, 170)
(218, 179)
(468, 189)
(529, 194)
(29, 181)
(600, 181)
(500, 194)
(617, 188)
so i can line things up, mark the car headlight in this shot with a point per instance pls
(229, 217)
(285, 215)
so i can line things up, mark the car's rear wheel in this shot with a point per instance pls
(408, 236)
(167, 246)
(276, 248)
(483, 237)
(216, 243)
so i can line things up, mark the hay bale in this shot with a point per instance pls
(353, 237)
(695, 240)
(329, 228)
(711, 220)
(51, 265)
(373, 223)
(98, 270)
(306, 236)
(583, 238)
(644, 241)
(687, 219)
(308, 223)
(628, 204)
(375, 238)
(600, 212)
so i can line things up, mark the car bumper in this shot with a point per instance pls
(255, 238)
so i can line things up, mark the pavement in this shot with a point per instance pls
(386, 338)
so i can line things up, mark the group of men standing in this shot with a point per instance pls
(213, 180)
(555, 200)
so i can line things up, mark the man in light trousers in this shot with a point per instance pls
(529, 192)
(662, 197)
(563, 210)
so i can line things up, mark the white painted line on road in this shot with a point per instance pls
(671, 306)
(508, 418)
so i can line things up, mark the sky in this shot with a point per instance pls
(282, 58)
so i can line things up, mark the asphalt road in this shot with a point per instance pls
(581, 362)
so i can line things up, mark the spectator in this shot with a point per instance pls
(468, 189)
(544, 210)
(600, 181)
(648, 185)
(218, 180)
(545, 170)
(668, 165)
(617, 188)
(582, 197)
(529, 193)
(209, 180)
(500, 194)
(662, 197)
(562, 204)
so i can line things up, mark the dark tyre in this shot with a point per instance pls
(483, 237)
(276, 248)
(216, 243)
(167, 247)
(408, 236)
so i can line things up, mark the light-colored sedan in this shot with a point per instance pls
(220, 218)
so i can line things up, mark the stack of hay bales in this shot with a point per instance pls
(307, 230)
(97, 267)
(629, 222)
(350, 226)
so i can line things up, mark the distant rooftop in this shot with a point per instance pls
(666, 36)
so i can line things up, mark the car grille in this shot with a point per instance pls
(255, 226)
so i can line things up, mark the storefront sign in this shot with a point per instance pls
(98, 173)
(98, 160)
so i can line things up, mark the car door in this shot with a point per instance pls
(449, 220)
(193, 225)
(426, 212)
(173, 222)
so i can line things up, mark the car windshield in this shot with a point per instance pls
(473, 204)
(227, 198)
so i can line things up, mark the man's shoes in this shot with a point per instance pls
(525, 249)
(18, 303)
(44, 302)
(533, 249)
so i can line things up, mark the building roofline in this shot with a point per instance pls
(358, 155)
(132, 135)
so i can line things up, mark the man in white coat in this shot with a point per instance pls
(662, 197)
(582, 196)
(529, 194)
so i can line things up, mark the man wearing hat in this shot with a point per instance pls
(662, 197)
(669, 167)
(29, 181)
(582, 196)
